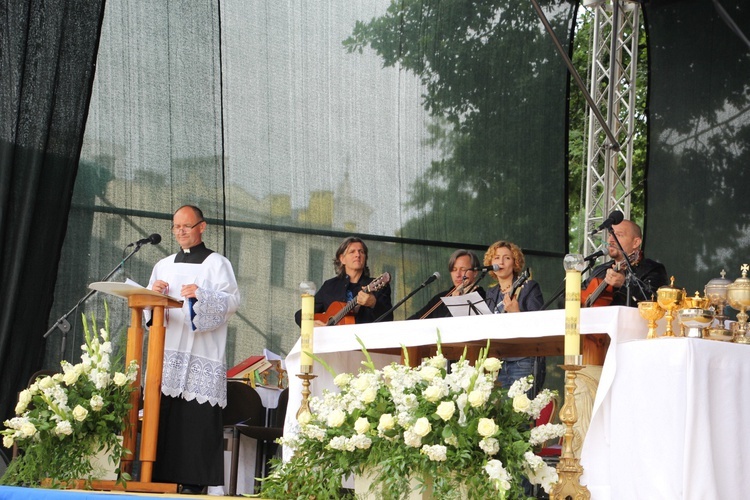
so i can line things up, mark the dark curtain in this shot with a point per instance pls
(698, 209)
(47, 57)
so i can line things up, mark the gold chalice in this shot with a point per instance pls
(651, 312)
(670, 299)
(738, 296)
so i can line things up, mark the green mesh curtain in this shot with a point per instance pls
(698, 208)
(421, 126)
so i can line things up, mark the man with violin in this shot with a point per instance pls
(607, 282)
(361, 298)
(462, 265)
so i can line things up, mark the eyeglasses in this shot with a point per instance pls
(180, 229)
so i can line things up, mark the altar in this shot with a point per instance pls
(537, 333)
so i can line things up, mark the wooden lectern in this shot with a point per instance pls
(140, 298)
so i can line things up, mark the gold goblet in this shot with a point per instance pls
(651, 312)
(670, 299)
(738, 296)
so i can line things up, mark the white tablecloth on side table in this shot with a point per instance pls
(673, 424)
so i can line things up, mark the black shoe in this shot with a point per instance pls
(192, 489)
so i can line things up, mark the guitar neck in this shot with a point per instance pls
(343, 312)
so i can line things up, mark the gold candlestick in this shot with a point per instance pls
(569, 468)
(306, 379)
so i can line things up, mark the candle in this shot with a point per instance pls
(573, 265)
(308, 323)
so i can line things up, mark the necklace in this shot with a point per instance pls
(505, 288)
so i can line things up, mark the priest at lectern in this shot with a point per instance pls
(194, 389)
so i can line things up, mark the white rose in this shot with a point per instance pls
(368, 395)
(8, 441)
(445, 410)
(492, 364)
(361, 383)
(71, 377)
(476, 398)
(304, 418)
(46, 383)
(24, 397)
(20, 407)
(362, 425)
(80, 413)
(428, 373)
(27, 429)
(487, 427)
(422, 427)
(432, 393)
(96, 402)
(386, 422)
(336, 418)
(342, 379)
(120, 379)
(438, 361)
(521, 403)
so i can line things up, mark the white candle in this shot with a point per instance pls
(573, 264)
(307, 324)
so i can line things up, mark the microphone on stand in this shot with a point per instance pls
(594, 256)
(154, 239)
(429, 280)
(493, 267)
(614, 218)
(426, 282)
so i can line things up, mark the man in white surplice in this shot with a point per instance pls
(194, 387)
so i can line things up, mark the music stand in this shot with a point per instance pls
(471, 304)
(140, 298)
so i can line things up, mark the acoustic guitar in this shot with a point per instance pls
(598, 293)
(338, 312)
(518, 283)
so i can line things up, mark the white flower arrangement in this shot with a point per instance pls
(63, 420)
(458, 429)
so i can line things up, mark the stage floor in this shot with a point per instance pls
(16, 493)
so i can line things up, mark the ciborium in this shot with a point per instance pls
(670, 299)
(738, 296)
(651, 312)
(695, 321)
(716, 293)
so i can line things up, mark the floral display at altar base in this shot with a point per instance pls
(63, 421)
(424, 429)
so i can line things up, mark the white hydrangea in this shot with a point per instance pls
(436, 453)
(490, 446)
(498, 475)
(63, 428)
(412, 439)
(96, 402)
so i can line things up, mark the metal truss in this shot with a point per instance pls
(614, 60)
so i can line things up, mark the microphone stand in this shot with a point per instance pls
(398, 304)
(630, 274)
(62, 323)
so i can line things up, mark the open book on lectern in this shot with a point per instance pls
(471, 304)
(126, 289)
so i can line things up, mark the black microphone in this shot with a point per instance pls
(493, 267)
(614, 218)
(154, 239)
(432, 278)
(594, 256)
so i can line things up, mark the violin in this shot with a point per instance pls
(598, 292)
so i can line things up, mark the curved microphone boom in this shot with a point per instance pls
(614, 218)
(154, 239)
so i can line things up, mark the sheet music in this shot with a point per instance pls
(461, 305)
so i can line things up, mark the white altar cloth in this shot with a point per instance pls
(338, 347)
(672, 424)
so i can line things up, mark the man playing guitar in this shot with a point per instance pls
(351, 283)
(652, 274)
